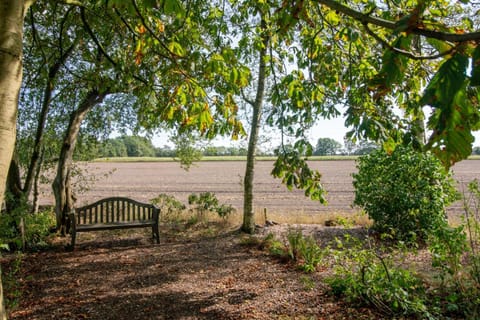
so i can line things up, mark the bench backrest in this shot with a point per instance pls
(115, 209)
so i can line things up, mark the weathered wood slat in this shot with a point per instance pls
(114, 213)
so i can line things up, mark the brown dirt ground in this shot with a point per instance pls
(122, 275)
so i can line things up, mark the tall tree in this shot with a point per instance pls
(12, 15)
(327, 147)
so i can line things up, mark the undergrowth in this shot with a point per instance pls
(374, 272)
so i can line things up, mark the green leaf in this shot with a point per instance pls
(447, 81)
(176, 48)
(393, 67)
(173, 7)
(439, 45)
(475, 80)
(454, 113)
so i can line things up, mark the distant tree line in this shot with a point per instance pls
(330, 147)
(137, 146)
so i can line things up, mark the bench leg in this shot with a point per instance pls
(74, 236)
(155, 234)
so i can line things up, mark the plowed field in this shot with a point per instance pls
(145, 180)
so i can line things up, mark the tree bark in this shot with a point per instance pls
(14, 185)
(12, 14)
(248, 225)
(36, 191)
(61, 187)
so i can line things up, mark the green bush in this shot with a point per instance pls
(405, 193)
(21, 228)
(303, 251)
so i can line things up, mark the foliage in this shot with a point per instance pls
(20, 229)
(138, 146)
(170, 207)
(404, 192)
(208, 202)
(304, 250)
(113, 148)
(295, 172)
(274, 246)
(327, 147)
(185, 150)
(365, 276)
(365, 147)
(456, 255)
(224, 151)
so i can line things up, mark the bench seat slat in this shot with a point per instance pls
(114, 225)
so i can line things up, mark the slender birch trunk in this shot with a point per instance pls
(248, 225)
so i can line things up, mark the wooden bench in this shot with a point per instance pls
(114, 213)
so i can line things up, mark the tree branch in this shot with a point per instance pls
(367, 19)
(100, 47)
(408, 53)
(153, 34)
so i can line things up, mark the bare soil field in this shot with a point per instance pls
(146, 180)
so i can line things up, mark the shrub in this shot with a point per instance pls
(405, 193)
(208, 202)
(170, 206)
(21, 228)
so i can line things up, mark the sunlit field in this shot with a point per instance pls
(144, 180)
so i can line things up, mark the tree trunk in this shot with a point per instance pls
(12, 13)
(61, 188)
(42, 119)
(14, 185)
(248, 225)
(36, 191)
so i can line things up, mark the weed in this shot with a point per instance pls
(456, 257)
(171, 208)
(363, 275)
(208, 202)
(308, 282)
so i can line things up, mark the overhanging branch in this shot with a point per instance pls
(407, 53)
(368, 19)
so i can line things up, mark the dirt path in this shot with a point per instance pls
(127, 277)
